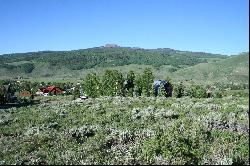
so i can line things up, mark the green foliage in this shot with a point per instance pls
(236, 93)
(25, 86)
(2, 98)
(233, 69)
(92, 86)
(162, 91)
(26, 67)
(181, 66)
(89, 58)
(130, 83)
(217, 94)
(169, 79)
(76, 92)
(179, 90)
(138, 85)
(197, 91)
(69, 64)
(147, 82)
(112, 83)
(126, 130)
(184, 143)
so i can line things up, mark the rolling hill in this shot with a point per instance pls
(74, 65)
(233, 69)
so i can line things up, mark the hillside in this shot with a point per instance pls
(233, 69)
(75, 64)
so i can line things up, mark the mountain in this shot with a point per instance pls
(75, 64)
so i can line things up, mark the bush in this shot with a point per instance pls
(217, 94)
(179, 90)
(76, 92)
(25, 100)
(183, 143)
(197, 91)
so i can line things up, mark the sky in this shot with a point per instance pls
(214, 26)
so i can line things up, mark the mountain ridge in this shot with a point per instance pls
(76, 63)
(112, 46)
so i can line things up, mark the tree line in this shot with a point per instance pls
(113, 83)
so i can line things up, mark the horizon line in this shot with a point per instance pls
(118, 46)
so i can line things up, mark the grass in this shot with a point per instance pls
(233, 69)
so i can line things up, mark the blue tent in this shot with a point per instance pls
(125, 82)
(157, 85)
(167, 86)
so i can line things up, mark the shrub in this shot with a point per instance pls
(183, 143)
(217, 94)
(179, 90)
(197, 91)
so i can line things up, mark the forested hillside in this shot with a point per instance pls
(75, 64)
(103, 57)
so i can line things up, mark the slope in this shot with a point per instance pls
(234, 69)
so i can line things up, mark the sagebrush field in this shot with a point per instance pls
(127, 130)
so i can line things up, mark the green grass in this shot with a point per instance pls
(233, 69)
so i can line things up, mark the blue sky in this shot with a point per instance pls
(215, 26)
